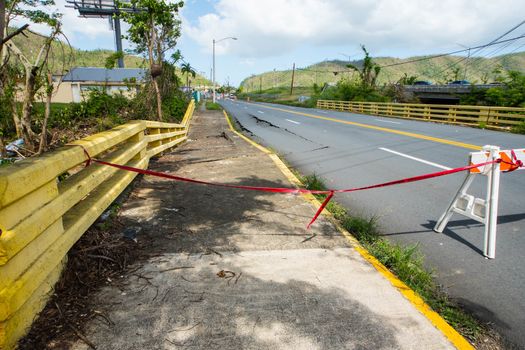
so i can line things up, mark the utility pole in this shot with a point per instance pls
(466, 64)
(260, 83)
(293, 76)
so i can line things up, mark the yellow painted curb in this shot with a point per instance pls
(450, 333)
(379, 128)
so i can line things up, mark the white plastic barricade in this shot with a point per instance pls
(479, 209)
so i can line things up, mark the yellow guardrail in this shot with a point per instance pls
(490, 117)
(41, 217)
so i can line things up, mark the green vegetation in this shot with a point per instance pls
(480, 70)
(520, 128)
(187, 69)
(62, 53)
(510, 94)
(361, 84)
(30, 62)
(70, 57)
(281, 95)
(213, 106)
(153, 31)
(100, 111)
(406, 263)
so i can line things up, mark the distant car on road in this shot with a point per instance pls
(422, 82)
(459, 82)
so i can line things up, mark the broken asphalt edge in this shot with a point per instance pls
(448, 331)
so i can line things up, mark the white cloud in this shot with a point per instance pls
(73, 26)
(273, 27)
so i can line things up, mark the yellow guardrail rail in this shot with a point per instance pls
(490, 117)
(41, 217)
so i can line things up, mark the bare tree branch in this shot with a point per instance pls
(15, 33)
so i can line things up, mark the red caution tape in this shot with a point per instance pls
(330, 193)
(319, 211)
(515, 162)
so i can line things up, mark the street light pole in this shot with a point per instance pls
(214, 42)
(213, 71)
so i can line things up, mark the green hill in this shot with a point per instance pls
(64, 57)
(438, 70)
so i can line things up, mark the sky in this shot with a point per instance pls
(274, 34)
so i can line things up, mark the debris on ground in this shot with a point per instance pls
(13, 148)
(131, 233)
(101, 257)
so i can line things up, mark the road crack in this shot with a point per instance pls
(265, 122)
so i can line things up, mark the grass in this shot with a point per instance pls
(211, 106)
(406, 262)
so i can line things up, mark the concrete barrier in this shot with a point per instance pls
(42, 214)
(490, 117)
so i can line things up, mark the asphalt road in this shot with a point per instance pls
(350, 155)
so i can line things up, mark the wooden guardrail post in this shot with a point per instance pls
(484, 116)
(426, 112)
(452, 114)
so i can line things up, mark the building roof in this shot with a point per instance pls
(79, 74)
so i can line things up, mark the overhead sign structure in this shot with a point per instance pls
(104, 9)
(479, 209)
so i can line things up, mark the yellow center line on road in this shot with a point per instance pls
(379, 128)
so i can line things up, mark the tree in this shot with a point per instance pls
(407, 79)
(154, 29)
(188, 69)
(33, 72)
(512, 94)
(32, 68)
(369, 72)
(112, 60)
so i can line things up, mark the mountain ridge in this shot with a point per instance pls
(436, 70)
(30, 42)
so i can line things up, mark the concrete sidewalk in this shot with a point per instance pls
(233, 269)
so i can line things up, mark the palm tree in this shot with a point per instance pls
(188, 69)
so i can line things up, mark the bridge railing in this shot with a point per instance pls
(48, 202)
(449, 88)
(490, 117)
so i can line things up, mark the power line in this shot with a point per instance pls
(497, 60)
(426, 58)
(480, 48)
(452, 52)
(477, 49)
(499, 49)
